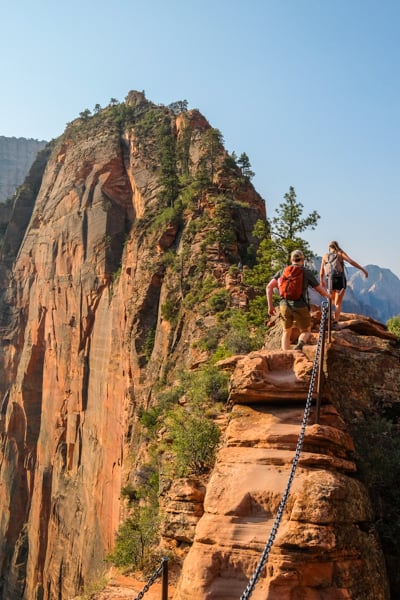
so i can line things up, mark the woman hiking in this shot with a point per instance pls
(332, 275)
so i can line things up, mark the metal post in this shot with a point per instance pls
(164, 587)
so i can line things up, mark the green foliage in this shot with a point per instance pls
(223, 232)
(166, 143)
(172, 214)
(194, 440)
(183, 151)
(257, 313)
(245, 166)
(170, 310)
(148, 343)
(189, 434)
(85, 114)
(135, 538)
(377, 442)
(211, 147)
(212, 339)
(149, 418)
(243, 335)
(219, 301)
(145, 125)
(287, 224)
(230, 163)
(224, 224)
(178, 106)
(238, 341)
(188, 196)
(205, 384)
(393, 325)
(129, 492)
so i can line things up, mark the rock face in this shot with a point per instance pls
(326, 546)
(81, 293)
(16, 158)
(109, 266)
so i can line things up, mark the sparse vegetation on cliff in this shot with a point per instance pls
(394, 325)
(182, 442)
(377, 440)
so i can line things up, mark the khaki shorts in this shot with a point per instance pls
(300, 315)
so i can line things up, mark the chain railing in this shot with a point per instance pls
(162, 570)
(256, 575)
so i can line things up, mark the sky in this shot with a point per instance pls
(308, 89)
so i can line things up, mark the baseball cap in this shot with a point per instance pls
(296, 255)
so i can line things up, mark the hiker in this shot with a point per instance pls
(297, 309)
(333, 277)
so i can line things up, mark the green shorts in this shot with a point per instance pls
(300, 315)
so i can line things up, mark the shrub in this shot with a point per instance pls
(134, 539)
(206, 384)
(377, 443)
(219, 301)
(194, 441)
(170, 310)
(394, 325)
(148, 343)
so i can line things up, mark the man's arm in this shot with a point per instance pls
(321, 290)
(270, 290)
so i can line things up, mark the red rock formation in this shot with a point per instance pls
(326, 546)
(84, 292)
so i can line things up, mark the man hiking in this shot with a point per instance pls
(294, 305)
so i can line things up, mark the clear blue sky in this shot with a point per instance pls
(309, 89)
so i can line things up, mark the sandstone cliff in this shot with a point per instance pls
(127, 241)
(16, 158)
(95, 267)
(326, 546)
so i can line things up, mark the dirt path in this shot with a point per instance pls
(122, 587)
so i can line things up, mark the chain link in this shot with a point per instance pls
(152, 580)
(252, 582)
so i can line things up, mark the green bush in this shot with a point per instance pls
(194, 441)
(213, 338)
(170, 310)
(134, 539)
(394, 325)
(377, 442)
(219, 301)
(149, 418)
(148, 343)
(205, 385)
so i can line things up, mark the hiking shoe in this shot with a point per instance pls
(299, 345)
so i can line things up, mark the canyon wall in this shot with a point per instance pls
(16, 158)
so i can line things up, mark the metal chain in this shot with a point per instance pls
(152, 580)
(250, 586)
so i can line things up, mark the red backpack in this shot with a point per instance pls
(290, 283)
